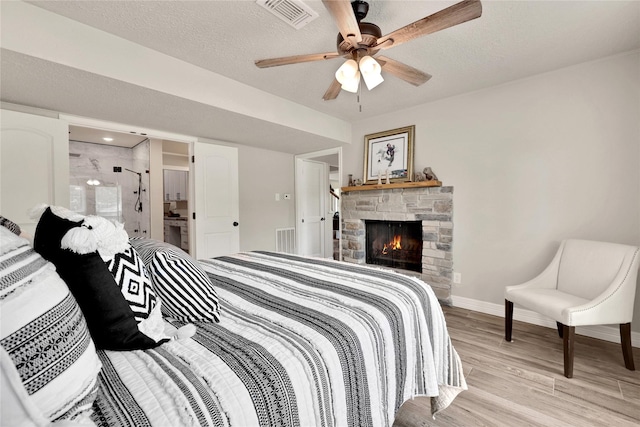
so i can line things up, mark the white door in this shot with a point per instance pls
(312, 186)
(216, 224)
(34, 165)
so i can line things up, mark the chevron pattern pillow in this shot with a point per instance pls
(131, 277)
(185, 289)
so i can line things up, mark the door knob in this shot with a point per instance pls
(322, 219)
(235, 223)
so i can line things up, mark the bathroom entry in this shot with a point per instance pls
(108, 176)
(175, 163)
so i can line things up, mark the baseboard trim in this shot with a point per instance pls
(607, 333)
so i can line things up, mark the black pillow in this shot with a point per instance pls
(49, 232)
(111, 322)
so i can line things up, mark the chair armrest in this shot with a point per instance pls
(548, 279)
(612, 306)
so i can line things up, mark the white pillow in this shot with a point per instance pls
(16, 406)
(45, 340)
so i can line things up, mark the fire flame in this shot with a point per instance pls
(393, 245)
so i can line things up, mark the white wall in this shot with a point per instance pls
(264, 173)
(532, 162)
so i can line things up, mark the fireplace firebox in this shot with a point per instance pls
(395, 244)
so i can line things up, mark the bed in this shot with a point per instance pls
(138, 333)
(301, 342)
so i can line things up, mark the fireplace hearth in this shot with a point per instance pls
(431, 206)
(395, 244)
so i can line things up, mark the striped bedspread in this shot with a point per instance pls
(301, 342)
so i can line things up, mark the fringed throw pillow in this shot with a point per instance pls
(112, 323)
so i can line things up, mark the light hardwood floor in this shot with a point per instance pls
(522, 383)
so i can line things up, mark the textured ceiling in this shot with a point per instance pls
(512, 40)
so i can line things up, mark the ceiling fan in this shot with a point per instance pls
(359, 41)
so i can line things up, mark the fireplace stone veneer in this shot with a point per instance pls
(431, 205)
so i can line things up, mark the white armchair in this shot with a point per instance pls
(587, 283)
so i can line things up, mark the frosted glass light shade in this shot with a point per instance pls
(351, 85)
(369, 65)
(372, 80)
(371, 72)
(347, 71)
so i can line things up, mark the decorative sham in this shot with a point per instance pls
(186, 291)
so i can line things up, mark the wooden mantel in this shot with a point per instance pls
(367, 187)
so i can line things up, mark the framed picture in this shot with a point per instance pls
(389, 151)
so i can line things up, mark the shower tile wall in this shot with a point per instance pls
(96, 162)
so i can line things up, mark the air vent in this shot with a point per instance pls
(293, 12)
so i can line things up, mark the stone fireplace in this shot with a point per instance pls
(423, 203)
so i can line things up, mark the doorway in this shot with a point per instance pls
(322, 237)
(176, 195)
(109, 177)
(147, 172)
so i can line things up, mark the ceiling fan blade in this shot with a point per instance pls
(333, 91)
(403, 71)
(453, 15)
(342, 13)
(286, 60)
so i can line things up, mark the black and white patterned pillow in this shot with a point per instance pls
(10, 225)
(185, 289)
(110, 319)
(130, 275)
(49, 362)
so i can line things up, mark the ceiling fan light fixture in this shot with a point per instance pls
(372, 80)
(357, 40)
(352, 84)
(371, 72)
(347, 71)
(369, 65)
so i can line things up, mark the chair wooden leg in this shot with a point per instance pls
(568, 341)
(508, 320)
(627, 349)
(559, 326)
